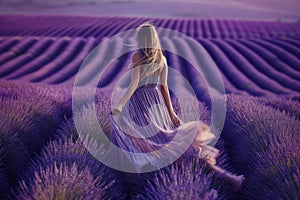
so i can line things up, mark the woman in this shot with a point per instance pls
(146, 108)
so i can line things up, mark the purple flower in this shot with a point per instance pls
(264, 146)
(62, 182)
(187, 179)
(68, 152)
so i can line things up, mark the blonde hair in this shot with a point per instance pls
(149, 47)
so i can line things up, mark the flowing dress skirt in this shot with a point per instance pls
(144, 129)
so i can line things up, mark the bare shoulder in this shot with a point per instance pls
(165, 59)
(165, 65)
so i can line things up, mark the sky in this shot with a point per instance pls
(261, 9)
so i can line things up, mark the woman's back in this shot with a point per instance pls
(150, 72)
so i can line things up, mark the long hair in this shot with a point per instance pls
(149, 47)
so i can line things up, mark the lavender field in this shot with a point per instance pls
(41, 156)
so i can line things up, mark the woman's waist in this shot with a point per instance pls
(147, 85)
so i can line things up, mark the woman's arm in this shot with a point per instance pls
(133, 84)
(164, 89)
(165, 93)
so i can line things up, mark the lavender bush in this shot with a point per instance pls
(62, 182)
(264, 146)
(60, 95)
(223, 160)
(185, 180)
(33, 118)
(282, 103)
(7, 168)
(28, 120)
(4, 183)
(68, 152)
(13, 153)
(185, 111)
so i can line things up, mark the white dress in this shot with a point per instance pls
(144, 132)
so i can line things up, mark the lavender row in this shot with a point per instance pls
(57, 63)
(67, 166)
(28, 122)
(188, 179)
(51, 51)
(15, 61)
(99, 27)
(245, 67)
(253, 132)
(18, 49)
(31, 115)
(250, 66)
(263, 145)
(282, 81)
